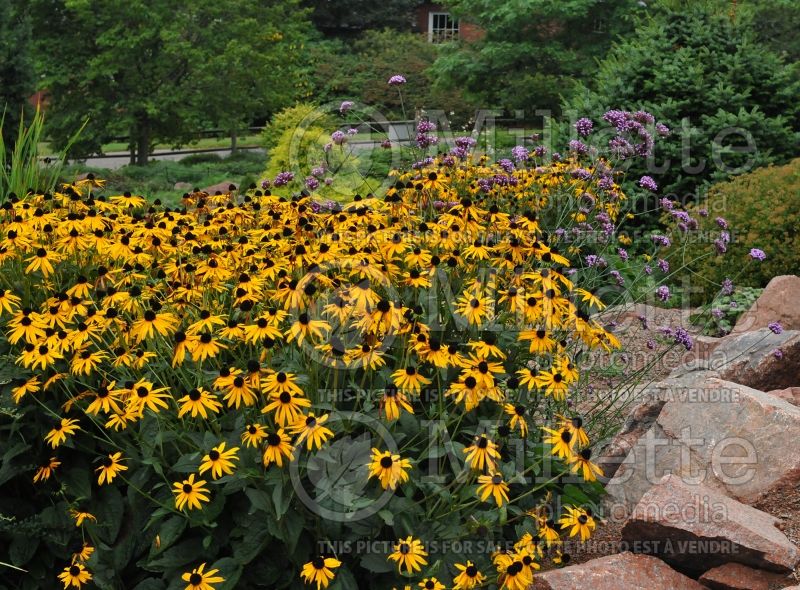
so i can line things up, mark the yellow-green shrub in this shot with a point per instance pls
(762, 209)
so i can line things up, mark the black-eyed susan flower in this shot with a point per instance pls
(409, 554)
(554, 383)
(81, 516)
(219, 461)
(517, 417)
(582, 461)
(431, 584)
(200, 402)
(393, 402)
(389, 468)
(409, 379)
(514, 573)
(83, 554)
(319, 571)
(144, 395)
(198, 579)
(287, 407)
(8, 302)
(238, 393)
(74, 576)
(482, 454)
(578, 521)
(58, 435)
(43, 260)
(45, 470)
(253, 435)
(494, 486)
(111, 466)
(26, 386)
(277, 448)
(312, 430)
(281, 382)
(190, 493)
(562, 442)
(152, 322)
(473, 307)
(468, 577)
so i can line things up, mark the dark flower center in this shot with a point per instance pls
(386, 462)
(74, 571)
(471, 571)
(187, 488)
(273, 439)
(195, 579)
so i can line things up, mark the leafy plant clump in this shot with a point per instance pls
(268, 389)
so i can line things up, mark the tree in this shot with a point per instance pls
(699, 71)
(337, 17)
(532, 51)
(16, 71)
(157, 70)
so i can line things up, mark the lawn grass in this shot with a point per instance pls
(223, 142)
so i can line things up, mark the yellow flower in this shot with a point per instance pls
(74, 576)
(80, 517)
(219, 461)
(469, 576)
(319, 571)
(110, 468)
(482, 454)
(58, 435)
(253, 435)
(311, 429)
(198, 579)
(410, 554)
(278, 446)
(493, 485)
(388, 468)
(561, 440)
(190, 493)
(44, 471)
(199, 401)
(581, 461)
(579, 521)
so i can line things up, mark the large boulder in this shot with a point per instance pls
(735, 576)
(623, 570)
(221, 188)
(727, 436)
(749, 358)
(694, 528)
(790, 394)
(780, 302)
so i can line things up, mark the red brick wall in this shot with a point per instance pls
(467, 31)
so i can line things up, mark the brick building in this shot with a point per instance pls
(438, 25)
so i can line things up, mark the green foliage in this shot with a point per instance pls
(16, 68)
(701, 74)
(358, 71)
(718, 317)
(348, 16)
(21, 167)
(157, 71)
(532, 52)
(763, 211)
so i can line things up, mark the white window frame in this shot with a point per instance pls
(454, 31)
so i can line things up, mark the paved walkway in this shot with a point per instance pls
(115, 160)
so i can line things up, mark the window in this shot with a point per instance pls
(441, 27)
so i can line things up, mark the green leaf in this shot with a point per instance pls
(252, 542)
(23, 547)
(187, 463)
(180, 555)
(169, 532)
(376, 563)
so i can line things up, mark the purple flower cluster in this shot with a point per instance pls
(345, 106)
(424, 137)
(318, 171)
(584, 126)
(283, 178)
(663, 265)
(396, 80)
(757, 254)
(539, 151)
(623, 254)
(663, 293)
(775, 327)
(520, 153)
(338, 137)
(507, 165)
(681, 336)
(663, 241)
(595, 260)
(312, 183)
(633, 138)
(722, 222)
(618, 277)
(727, 287)
(463, 146)
(648, 183)
(578, 147)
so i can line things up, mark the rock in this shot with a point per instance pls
(623, 570)
(221, 187)
(780, 302)
(693, 527)
(790, 394)
(639, 421)
(749, 359)
(735, 576)
(183, 186)
(726, 436)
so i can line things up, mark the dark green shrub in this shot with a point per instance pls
(202, 158)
